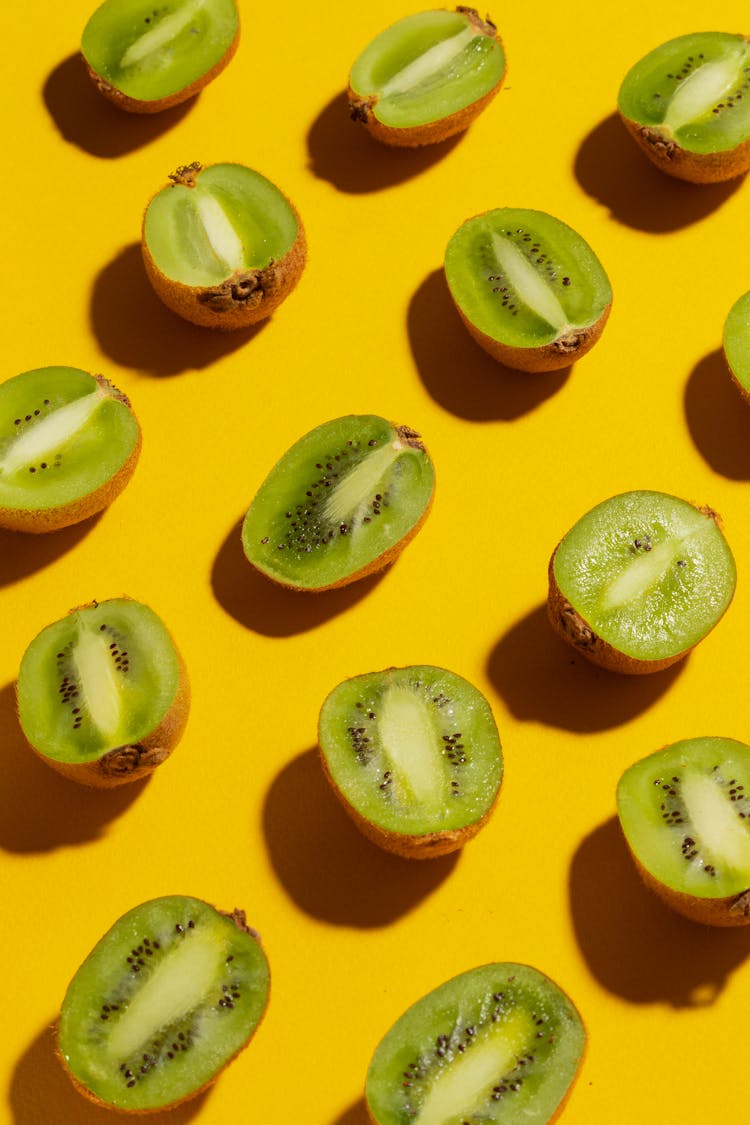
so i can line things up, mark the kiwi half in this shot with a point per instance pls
(529, 289)
(426, 77)
(170, 994)
(222, 246)
(146, 57)
(639, 580)
(414, 756)
(103, 695)
(737, 344)
(342, 503)
(685, 813)
(687, 104)
(499, 1043)
(69, 443)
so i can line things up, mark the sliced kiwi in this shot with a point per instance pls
(687, 104)
(685, 812)
(170, 994)
(639, 580)
(737, 344)
(223, 247)
(426, 77)
(146, 56)
(103, 695)
(340, 504)
(69, 443)
(529, 289)
(414, 756)
(499, 1043)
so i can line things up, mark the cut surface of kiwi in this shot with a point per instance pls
(685, 812)
(499, 1043)
(103, 694)
(639, 580)
(530, 290)
(737, 343)
(170, 994)
(414, 755)
(146, 57)
(69, 443)
(222, 245)
(687, 104)
(340, 504)
(427, 76)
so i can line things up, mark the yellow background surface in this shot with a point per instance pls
(241, 815)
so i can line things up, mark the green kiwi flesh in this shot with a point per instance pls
(737, 344)
(340, 504)
(530, 290)
(427, 76)
(170, 994)
(687, 104)
(639, 580)
(415, 757)
(222, 246)
(69, 443)
(103, 694)
(685, 813)
(146, 56)
(499, 1043)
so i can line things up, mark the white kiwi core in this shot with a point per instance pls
(703, 89)
(528, 284)
(408, 740)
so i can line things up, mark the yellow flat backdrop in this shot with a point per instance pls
(241, 815)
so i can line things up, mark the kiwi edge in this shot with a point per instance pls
(694, 167)
(732, 910)
(559, 353)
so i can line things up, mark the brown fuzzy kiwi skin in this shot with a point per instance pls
(39, 521)
(743, 390)
(136, 105)
(362, 107)
(135, 761)
(239, 919)
(693, 167)
(728, 911)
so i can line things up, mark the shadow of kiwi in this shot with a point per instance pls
(41, 1093)
(86, 119)
(355, 1115)
(542, 679)
(611, 168)
(22, 554)
(717, 417)
(136, 330)
(265, 607)
(455, 371)
(634, 945)
(327, 866)
(343, 152)
(41, 810)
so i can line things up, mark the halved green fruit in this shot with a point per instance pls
(414, 756)
(146, 57)
(427, 76)
(687, 104)
(340, 504)
(501, 1043)
(103, 695)
(737, 344)
(529, 289)
(222, 246)
(69, 443)
(639, 580)
(170, 994)
(685, 812)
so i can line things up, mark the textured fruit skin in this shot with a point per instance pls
(731, 910)
(136, 105)
(550, 357)
(695, 167)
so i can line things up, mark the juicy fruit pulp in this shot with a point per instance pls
(340, 504)
(685, 812)
(427, 76)
(415, 755)
(687, 103)
(69, 443)
(529, 289)
(501, 1043)
(147, 57)
(162, 1003)
(737, 343)
(102, 695)
(222, 245)
(639, 580)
